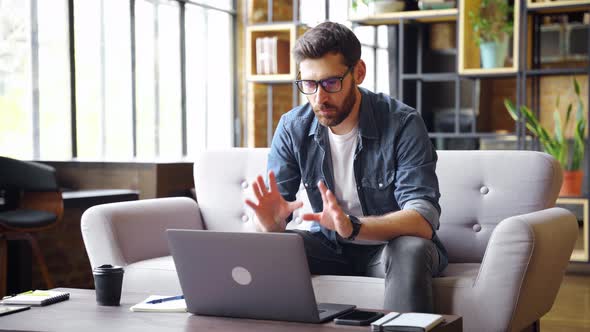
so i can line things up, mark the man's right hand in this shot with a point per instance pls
(272, 209)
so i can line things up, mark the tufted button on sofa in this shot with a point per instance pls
(508, 245)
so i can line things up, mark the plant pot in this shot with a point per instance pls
(493, 54)
(572, 183)
(386, 6)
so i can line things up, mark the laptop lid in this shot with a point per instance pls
(247, 275)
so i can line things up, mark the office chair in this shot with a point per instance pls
(30, 201)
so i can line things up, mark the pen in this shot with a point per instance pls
(166, 299)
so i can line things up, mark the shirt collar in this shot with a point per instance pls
(367, 126)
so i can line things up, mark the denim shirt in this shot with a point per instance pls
(394, 162)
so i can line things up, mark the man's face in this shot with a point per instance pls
(330, 108)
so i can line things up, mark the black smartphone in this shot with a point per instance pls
(358, 317)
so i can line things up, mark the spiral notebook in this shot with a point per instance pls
(37, 298)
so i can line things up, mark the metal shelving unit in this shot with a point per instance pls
(519, 71)
(532, 16)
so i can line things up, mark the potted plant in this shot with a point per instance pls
(570, 154)
(375, 7)
(492, 25)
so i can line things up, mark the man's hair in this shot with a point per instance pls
(328, 37)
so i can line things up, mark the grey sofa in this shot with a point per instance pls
(508, 245)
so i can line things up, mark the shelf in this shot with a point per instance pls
(430, 77)
(286, 35)
(271, 79)
(493, 72)
(554, 7)
(557, 71)
(469, 135)
(434, 15)
(580, 253)
(469, 54)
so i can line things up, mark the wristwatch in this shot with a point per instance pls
(356, 227)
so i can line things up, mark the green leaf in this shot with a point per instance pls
(511, 109)
(567, 116)
(557, 129)
(570, 156)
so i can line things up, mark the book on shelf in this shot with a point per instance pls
(272, 56)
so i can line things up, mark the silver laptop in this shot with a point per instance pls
(247, 275)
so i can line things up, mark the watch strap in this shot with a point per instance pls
(356, 227)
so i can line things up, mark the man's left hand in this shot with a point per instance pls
(332, 217)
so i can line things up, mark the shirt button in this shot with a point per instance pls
(476, 228)
(358, 187)
(298, 220)
(484, 190)
(244, 184)
(380, 185)
(306, 185)
(245, 218)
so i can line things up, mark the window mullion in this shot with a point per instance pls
(156, 82)
(183, 120)
(206, 56)
(103, 116)
(73, 113)
(133, 77)
(35, 79)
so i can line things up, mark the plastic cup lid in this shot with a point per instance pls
(108, 268)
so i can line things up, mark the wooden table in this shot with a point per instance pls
(81, 313)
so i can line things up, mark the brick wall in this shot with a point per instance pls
(494, 116)
(282, 99)
(253, 96)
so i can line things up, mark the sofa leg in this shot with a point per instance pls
(534, 327)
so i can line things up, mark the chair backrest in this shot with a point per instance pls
(26, 175)
(478, 190)
(37, 181)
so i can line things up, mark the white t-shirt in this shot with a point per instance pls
(342, 148)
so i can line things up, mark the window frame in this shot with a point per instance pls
(71, 23)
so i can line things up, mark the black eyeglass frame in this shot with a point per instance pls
(320, 82)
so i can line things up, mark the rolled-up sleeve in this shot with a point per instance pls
(282, 162)
(426, 210)
(416, 181)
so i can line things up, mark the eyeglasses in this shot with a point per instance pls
(330, 84)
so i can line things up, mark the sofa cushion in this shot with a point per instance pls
(155, 276)
(365, 292)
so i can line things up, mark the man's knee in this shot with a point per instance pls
(408, 250)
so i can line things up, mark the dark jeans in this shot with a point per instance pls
(407, 263)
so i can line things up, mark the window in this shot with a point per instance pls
(145, 16)
(122, 111)
(55, 132)
(169, 89)
(103, 79)
(16, 131)
(196, 80)
(374, 48)
(219, 81)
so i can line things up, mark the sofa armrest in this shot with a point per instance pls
(523, 267)
(127, 232)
